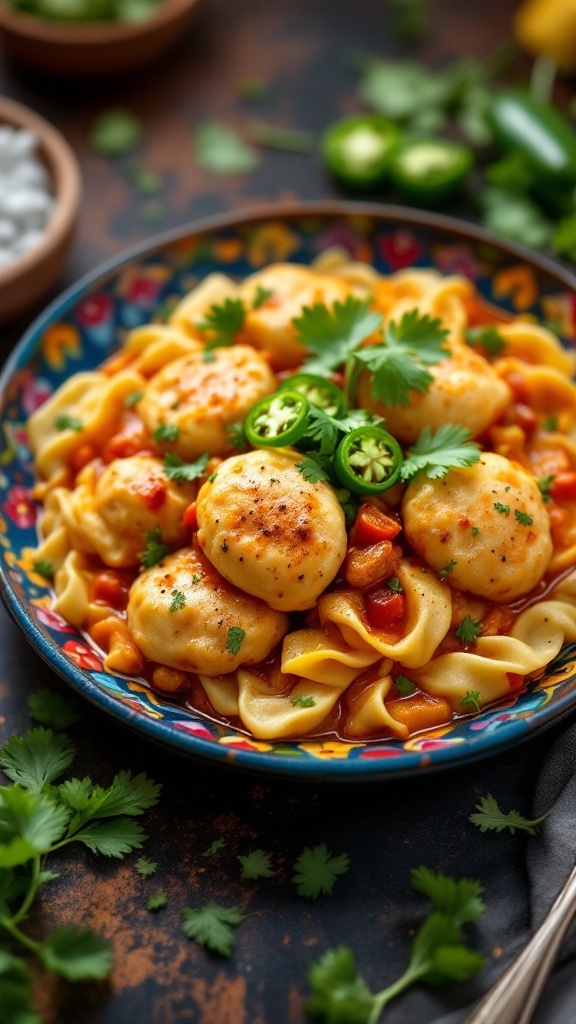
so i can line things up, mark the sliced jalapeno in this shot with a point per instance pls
(429, 171)
(356, 149)
(278, 420)
(368, 460)
(318, 391)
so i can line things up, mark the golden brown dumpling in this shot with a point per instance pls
(484, 528)
(202, 397)
(181, 613)
(269, 530)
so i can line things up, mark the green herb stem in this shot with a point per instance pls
(542, 78)
(382, 998)
(31, 894)
(8, 923)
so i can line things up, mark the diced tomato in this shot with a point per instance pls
(523, 416)
(190, 517)
(564, 486)
(108, 588)
(515, 680)
(372, 526)
(81, 457)
(384, 607)
(131, 439)
(152, 492)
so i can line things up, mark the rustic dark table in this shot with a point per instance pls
(297, 47)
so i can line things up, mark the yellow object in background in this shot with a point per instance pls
(548, 27)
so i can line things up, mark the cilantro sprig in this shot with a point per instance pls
(439, 954)
(39, 815)
(184, 472)
(490, 817)
(448, 448)
(222, 322)
(331, 335)
(398, 364)
(316, 871)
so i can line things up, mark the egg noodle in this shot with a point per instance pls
(248, 580)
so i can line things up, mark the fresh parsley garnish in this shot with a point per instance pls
(133, 399)
(212, 926)
(44, 568)
(312, 470)
(178, 601)
(303, 702)
(256, 864)
(316, 871)
(261, 296)
(236, 436)
(544, 486)
(503, 509)
(474, 531)
(146, 867)
(443, 572)
(223, 322)
(439, 954)
(184, 472)
(551, 423)
(469, 630)
(404, 685)
(398, 364)
(487, 337)
(490, 817)
(157, 902)
(166, 432)
(471, 697)
(394, 584)
(154, 551)
(234, 638)
(220, 150)
(448, 448)
(331, 335)
(65, 422)
(523, 517)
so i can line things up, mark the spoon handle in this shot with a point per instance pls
(512, 1000)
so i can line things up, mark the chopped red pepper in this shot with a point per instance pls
(152, 492)
(373, 526)
(109, 588)
(191, 517)
(384, 607)
(563, 487)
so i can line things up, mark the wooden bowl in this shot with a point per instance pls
(92, 49)
(28, 277)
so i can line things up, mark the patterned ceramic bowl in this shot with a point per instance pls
(83, 326)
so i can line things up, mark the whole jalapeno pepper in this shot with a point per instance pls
(278, 420)
(318, 391)
(357, 148)
(539, 132)
(368, 460)
(429, 171)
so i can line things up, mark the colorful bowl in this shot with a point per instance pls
(82, 327)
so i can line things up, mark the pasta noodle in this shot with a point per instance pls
(332, 582)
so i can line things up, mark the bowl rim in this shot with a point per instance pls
(98, 33)
(64, 171)
(509, 733)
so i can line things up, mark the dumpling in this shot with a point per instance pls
(484, 529)
(291, 287)
(465, 390)
(201, 397)
(183, 614)
(108, 513)
(269, 530)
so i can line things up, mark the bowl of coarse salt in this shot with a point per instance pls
(39, 203)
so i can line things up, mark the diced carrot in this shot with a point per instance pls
(363, 567)
(420, 711)
(384, 607)
(169, 680)
(191, 517)
(563, 486)
(372, 526)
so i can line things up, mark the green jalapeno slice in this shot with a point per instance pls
(278, 420)
(318, 391)
(368, 460)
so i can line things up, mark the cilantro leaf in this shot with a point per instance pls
(112, 838)
(223, 322)
(523, 517)
(256, 864)
(154, 551)
(487, 337)
(36, 758)
(317, 870)
(212, 926)
(133, 398)
(398, 364)
(303, 702)
(129, 795)
(311, 470)
(44, 568)
(457, 899)
(436, 453)
(52, 709)
(443, 572)
(469, 630)
(166, 432)
(222, 151)
(157, 901)
(503, 509)
(438, 954)
(115, 133)
(30, 823)
(261, 296)
(331, 335)
(234, 638)
(76, 954)
(544, 486)
(15, 992)
(404, 685)
(471, 697)
(341, 996)
(490, 817)
(65, 422)
(146, 867)
(178, 600)
(236, 436)
(182, 472)
(215, 846)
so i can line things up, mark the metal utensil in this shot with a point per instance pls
(513, 999)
